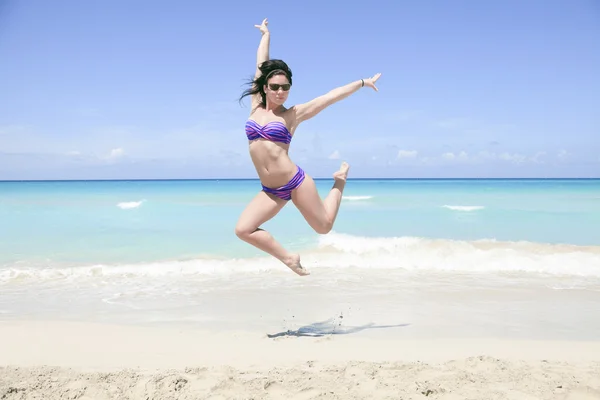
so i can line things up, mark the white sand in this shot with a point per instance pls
(61, 360)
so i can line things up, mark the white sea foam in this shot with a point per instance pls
(463, 208)
(356, 198)
(116, 299)
(342, 251)
(567, 287)
(126, 205)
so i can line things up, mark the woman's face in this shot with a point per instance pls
(277, 89)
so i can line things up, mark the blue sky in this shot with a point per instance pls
(132, 89)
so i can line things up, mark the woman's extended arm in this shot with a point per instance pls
(262, 53)
(308, 110)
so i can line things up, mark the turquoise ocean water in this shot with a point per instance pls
(123, 242)
(48, 224)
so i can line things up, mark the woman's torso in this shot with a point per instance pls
(270, 154)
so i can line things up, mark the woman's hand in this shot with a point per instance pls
(370, 82)
(263, 27)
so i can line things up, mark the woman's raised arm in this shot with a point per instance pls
(262, 53)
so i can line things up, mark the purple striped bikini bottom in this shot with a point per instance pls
(285, 192)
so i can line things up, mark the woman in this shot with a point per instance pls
(269, 130)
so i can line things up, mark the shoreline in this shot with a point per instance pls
(106, 361)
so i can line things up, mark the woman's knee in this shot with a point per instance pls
(323, 227)
(243, 231)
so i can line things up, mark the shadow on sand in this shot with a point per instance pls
(330, 327)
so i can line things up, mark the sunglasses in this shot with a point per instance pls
(275, 87)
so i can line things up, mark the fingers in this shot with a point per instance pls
(370, 82)
(264, 23)
(374, 79)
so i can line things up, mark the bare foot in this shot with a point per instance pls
(294, 264)
(342, 173)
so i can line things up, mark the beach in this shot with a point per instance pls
(297, 340)
(90, 361)
(432, 289)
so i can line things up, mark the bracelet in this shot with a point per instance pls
(363, 83)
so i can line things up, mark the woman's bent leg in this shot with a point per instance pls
(321, 214)
(261, 209)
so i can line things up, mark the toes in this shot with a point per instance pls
(301, 271)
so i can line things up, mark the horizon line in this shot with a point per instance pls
(316, 179)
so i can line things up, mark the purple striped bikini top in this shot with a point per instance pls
(275, 131)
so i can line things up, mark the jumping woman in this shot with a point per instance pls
(270, 129)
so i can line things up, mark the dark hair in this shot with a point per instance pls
(268, 69)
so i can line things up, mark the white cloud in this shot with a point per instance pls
(536, 158)
(450, 156)
(407, 154)
(110, 157)
(335, 155)
(486, 157)
(428, 160)
(515, 158)
(116, 153)
(563, 155)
